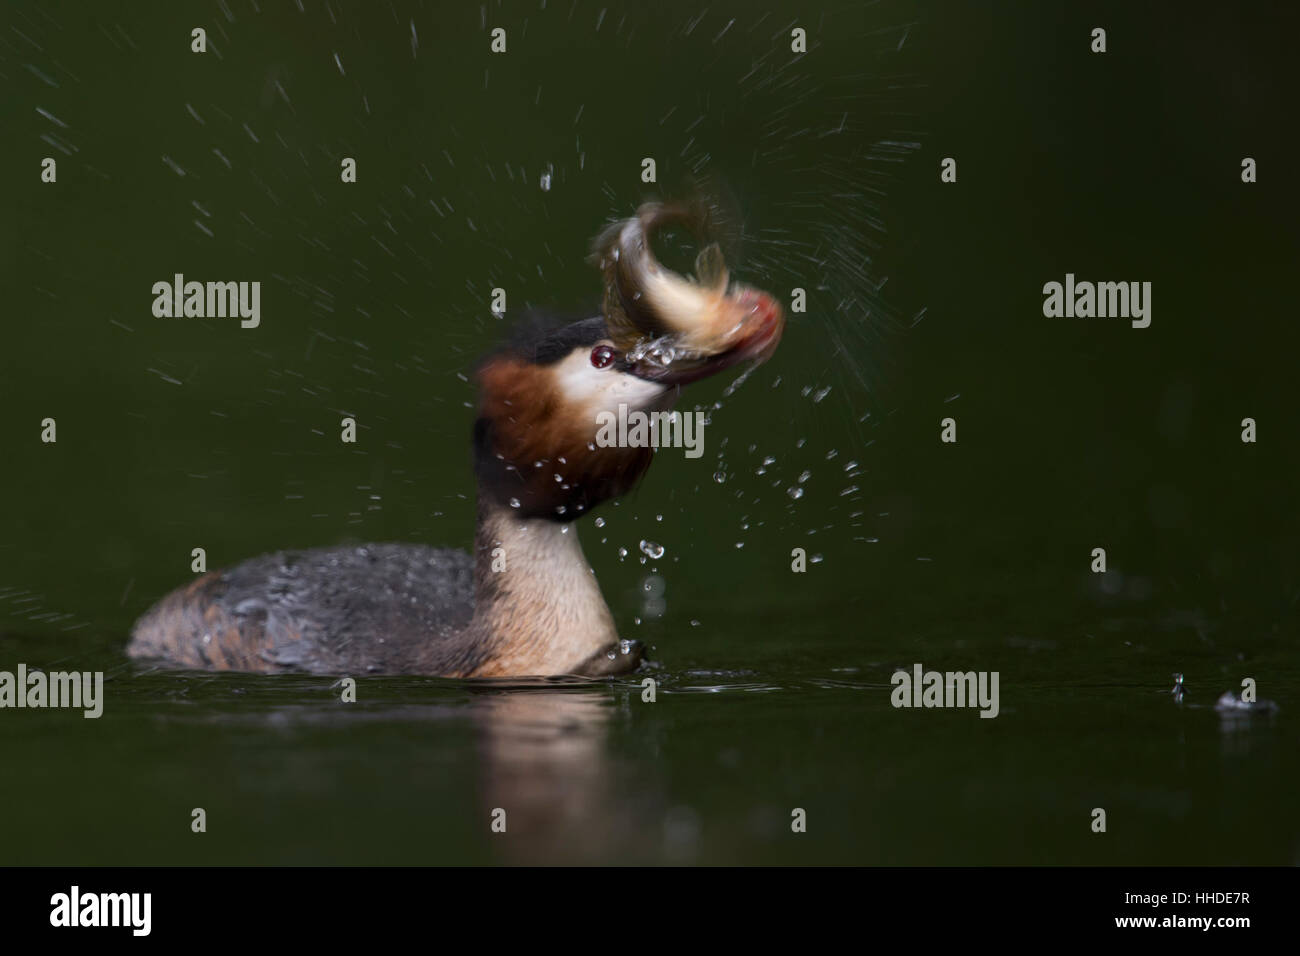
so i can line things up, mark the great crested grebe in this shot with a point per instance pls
(526, 603)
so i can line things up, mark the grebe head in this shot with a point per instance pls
(541, 403)
(535, 447)
(545, 397)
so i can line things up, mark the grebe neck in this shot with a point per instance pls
(538, 608)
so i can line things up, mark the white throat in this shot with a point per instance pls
(537, 602)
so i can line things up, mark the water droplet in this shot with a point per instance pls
(514, 502)
(600, 522)
(795, 492)
(652, 550)
(719, 476)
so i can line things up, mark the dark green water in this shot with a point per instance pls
(774, 687)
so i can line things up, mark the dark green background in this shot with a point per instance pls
(1073, 433)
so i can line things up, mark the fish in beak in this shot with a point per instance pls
(674, 329)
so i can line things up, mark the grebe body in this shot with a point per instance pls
(525, 602)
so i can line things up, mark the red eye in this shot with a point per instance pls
(603, 356)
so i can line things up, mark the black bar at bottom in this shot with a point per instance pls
(331, 905)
